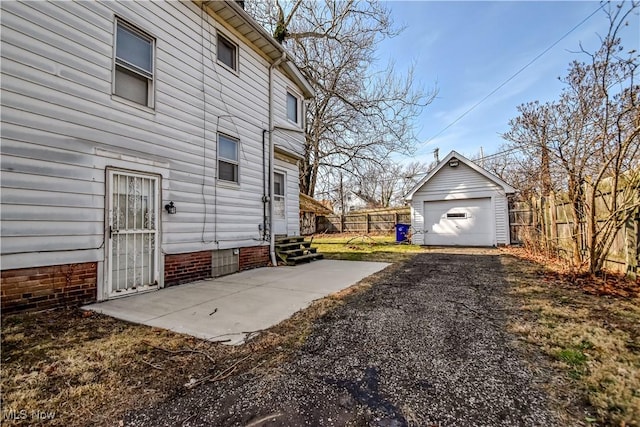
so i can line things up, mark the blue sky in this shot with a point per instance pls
(467, 49)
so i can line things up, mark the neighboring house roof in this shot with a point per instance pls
(309, 204)
(507, 188)
(232, 13)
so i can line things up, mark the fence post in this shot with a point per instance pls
(342, 222)
(367, 222)
(553, 221)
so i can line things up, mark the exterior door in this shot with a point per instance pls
(279, 203)
(467, 222)
(133, 233)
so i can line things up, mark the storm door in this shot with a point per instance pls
(133, 233)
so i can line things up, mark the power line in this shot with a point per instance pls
(473, 107)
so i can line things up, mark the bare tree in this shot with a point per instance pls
(384, 184)
(359, 114)
(587, 143)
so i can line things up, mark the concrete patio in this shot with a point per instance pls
(230, 308)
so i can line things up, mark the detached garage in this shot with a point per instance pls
(459, 203)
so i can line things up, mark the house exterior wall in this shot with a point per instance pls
(461, 182)
(62, 128)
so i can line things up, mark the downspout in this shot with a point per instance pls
(265, 199)
(272, 233)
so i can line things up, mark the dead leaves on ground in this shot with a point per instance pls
(558, 273)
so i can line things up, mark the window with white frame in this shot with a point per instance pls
(279, 183)
(227, 52)
(227, 158)
(133, 69)
(292, 107)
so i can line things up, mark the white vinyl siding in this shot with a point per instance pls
(61, 127)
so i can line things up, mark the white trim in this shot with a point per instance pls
(506, 187)
(229, 161)
(151, 80)
(220, 35)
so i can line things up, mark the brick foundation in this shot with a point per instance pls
(254, 257)
(41, 288)
(184, 268)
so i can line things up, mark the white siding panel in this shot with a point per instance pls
(59, 116)
(502, 220)
(25, 245)
(461, 180)
(60, 213)
(417, 221)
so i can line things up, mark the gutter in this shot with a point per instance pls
(272, 233)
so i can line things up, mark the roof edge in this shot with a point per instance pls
(289, 65)
(506, 187)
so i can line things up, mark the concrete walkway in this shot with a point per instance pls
(230, 307)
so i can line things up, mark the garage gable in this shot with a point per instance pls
(457, 174)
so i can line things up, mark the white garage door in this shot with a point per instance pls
(468, 222)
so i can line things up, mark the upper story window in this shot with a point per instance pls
(227, 158)
(133, 69)
(227, 52)
(292, 107)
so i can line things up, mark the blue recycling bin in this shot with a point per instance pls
(402, 233)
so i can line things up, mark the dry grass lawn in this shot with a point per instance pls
(78, 369)
(356, 247)
(590, 328)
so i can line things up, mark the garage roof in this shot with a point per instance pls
(507, 188)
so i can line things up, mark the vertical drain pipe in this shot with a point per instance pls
(265, 199)
(272, 233)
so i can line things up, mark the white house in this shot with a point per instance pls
(459, 203)
(144, 144)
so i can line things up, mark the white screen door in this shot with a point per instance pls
(133, 233)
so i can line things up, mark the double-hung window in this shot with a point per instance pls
(292, 108)
(227, 52)
(227, 158)
(133, 73)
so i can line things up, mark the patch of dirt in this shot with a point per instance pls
(426, 345)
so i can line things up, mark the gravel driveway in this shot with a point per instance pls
(426, 346)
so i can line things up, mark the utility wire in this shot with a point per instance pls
(473, 107)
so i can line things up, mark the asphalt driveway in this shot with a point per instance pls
(426, 346)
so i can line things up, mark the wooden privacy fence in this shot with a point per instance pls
(365, 222)
(547, 223)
